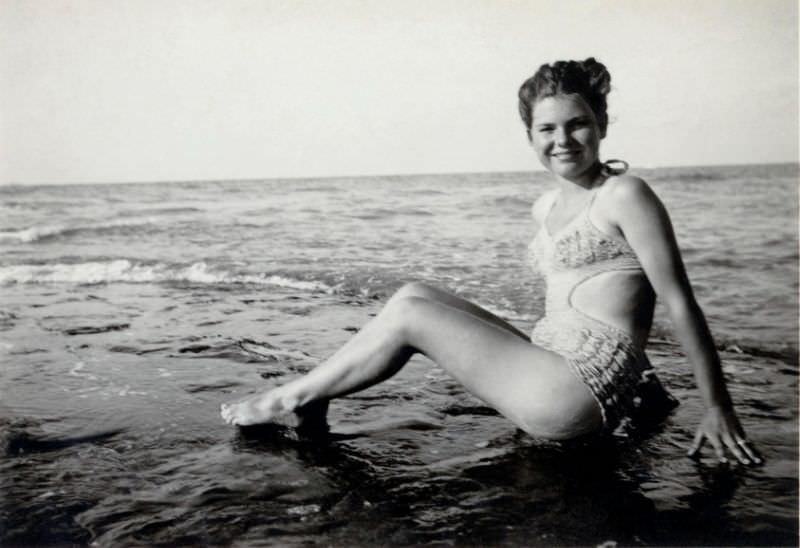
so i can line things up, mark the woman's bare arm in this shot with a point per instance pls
(643, 220)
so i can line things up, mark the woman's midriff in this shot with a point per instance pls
(621, 298)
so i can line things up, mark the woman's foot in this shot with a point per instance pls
(274, 406)
(256, 409)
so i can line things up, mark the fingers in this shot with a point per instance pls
(736, 447)
(722, 429)
(700, 438)
(697, 444)
(739, 447)
(750, 451)
(718, 449)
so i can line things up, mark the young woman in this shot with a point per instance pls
(606, 248)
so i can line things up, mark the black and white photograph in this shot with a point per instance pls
(362, 273)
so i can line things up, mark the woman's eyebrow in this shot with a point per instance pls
(581, 118)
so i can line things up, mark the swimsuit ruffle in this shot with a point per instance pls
(615, 370)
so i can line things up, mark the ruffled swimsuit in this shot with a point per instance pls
(606, 358)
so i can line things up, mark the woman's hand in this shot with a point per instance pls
(721, 428)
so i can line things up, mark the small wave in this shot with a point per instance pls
(43, 232)
(510, 202)
(785, 353)
(40, 205)
(177, 210)
(250, 351)
(663, 336)
(94, 329)
(690, 176)
(125, 271)
(32, 234)
(22, 443)
(383, 213)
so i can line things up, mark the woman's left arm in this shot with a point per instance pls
(643, 220)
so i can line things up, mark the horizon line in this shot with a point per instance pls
(366, 175)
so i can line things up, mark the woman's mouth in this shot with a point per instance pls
(566, 155)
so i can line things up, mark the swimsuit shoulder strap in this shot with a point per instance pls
(590, 202)
(548, 200)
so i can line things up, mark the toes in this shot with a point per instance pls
(229, 415)
(226, 411)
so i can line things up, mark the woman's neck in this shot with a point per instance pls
(582, 183)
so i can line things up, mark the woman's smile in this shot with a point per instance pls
(567, 155)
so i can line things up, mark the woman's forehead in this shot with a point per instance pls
(556, 107)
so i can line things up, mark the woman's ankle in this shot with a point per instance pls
(293, 398)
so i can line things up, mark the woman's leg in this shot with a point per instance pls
(529, 385)
(419, 289)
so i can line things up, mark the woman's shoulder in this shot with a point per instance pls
(542, 205)
(625, 189)
(622, 197)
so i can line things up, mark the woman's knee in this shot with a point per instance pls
(403, 312)
(416, 289)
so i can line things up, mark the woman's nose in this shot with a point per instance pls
(561, 136)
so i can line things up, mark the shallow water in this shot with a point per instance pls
(130, 312)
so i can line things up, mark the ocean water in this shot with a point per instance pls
(129, 312)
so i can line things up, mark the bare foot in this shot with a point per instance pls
(274, 406)
(256, 409)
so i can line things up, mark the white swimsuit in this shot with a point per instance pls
(603, 356)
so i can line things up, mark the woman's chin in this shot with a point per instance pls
(568, 170)
(571, 170)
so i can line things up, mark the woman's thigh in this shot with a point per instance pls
(533, 387)
(425, 291)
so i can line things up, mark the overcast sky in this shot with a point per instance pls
(119, 90)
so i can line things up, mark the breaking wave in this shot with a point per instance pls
(43, 232)
(126, 271)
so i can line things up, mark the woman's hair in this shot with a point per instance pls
(589, 79)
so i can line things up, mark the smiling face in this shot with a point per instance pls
(566, 136)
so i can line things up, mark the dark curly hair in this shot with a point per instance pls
(589, 79)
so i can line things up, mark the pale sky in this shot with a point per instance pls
(154, 90)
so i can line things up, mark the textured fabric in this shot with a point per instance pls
(608, 363)
(604, 357)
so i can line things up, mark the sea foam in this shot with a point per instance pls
(42, 232)
(126, 271)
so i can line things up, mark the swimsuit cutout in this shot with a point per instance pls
(605, 357)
